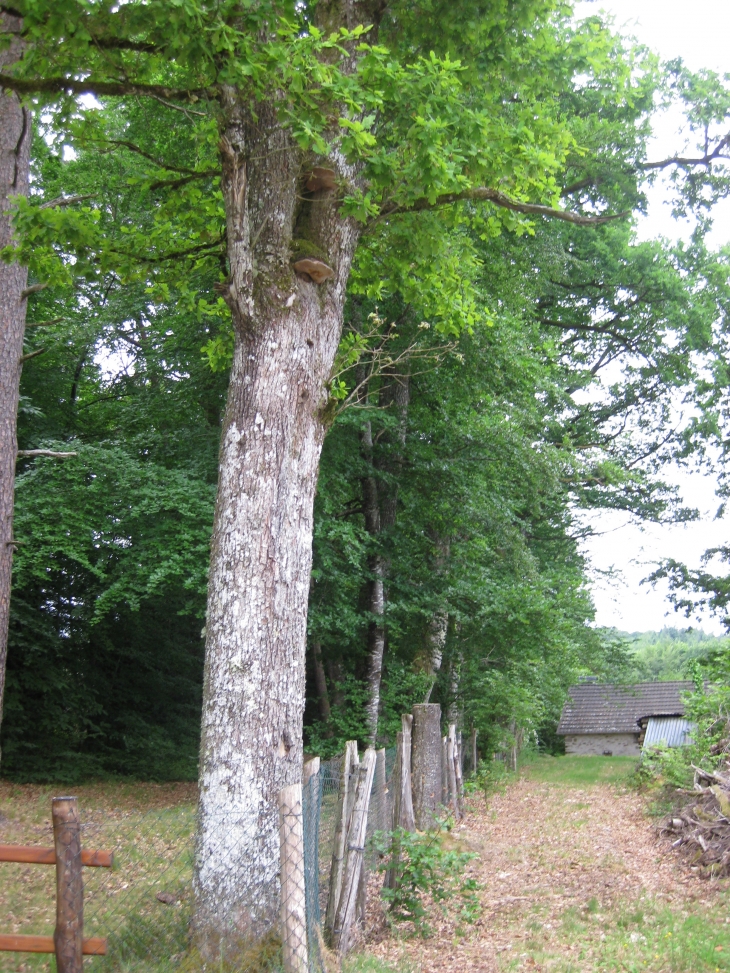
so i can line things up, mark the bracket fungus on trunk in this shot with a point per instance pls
(318, 270)
(321, 178)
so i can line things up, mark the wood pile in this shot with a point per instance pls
(701, 830)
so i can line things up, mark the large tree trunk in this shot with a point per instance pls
(287, 330)
(15, 138)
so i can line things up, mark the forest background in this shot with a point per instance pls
(445, 518)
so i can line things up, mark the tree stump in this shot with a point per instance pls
(426, 764)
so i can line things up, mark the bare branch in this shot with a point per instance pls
(151, 158)
(33, 289)
(183, 180)
(37, 86)
(29, 453)
(684, 163)
(61, 201)
(173, 255)
(186, 111)
(31, 354)
(484, 194)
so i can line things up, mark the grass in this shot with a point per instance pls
(643, 937)
(571, 771)
(149, 828)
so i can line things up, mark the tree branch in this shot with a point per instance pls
(484, 194)
(33, 289)
(705, 160)
(174, 255)
(27, 86)
(146, 155)
(29, 453)
(31, 354)
(60, 201)
(183, 180)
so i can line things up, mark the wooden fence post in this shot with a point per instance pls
(445, 771)
(338, 847)
(451, 766)
(68, 938)
(356, 833)
(406, 818)
(382, 823)
(426, 763)
(460, 773)
(293, 894)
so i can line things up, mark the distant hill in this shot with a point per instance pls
(664, 655)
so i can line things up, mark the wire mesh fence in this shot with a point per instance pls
(145, 906)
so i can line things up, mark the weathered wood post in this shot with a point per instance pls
(68, 938)
(459, 764)
(293, 891)
(405, 818)
(445, 771)
(474, 754)
(349, 759)
(380, 792)
(451, 766)
(402, 797)
(426, 763)
(356, 833)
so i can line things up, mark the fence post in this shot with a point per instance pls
(426, 763)
(293, 894)
(381, 795)
(444, 771)
(451, 767)
(405, 817)
(460, 772)
(356, 832)
(338, 848)
(68, 937)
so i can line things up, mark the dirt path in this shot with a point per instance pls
(573, 879)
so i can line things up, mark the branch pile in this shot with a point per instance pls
(701, 830)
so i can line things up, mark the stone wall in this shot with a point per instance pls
(593, 744)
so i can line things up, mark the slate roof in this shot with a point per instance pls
(601, 708)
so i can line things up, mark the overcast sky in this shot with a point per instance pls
(699, 33)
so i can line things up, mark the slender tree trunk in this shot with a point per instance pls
(375, 588)
(287, 330)
(438, 625)
(337, 677)
(380, 504)
(320, 681)
(15, 138)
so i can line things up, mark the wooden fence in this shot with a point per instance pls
(68, 941)
(427, 781)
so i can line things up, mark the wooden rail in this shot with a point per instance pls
(67, 942)
(30, 855)
(93, 946)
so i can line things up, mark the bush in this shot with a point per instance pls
(424, 869)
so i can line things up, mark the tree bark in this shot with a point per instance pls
(15, 138)
(287, 330)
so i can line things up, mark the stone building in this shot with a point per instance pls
(599, 718)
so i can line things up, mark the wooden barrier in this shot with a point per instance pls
(68, 941)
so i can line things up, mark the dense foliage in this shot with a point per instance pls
(503, 323)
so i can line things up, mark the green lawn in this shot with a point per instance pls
(571, 771)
